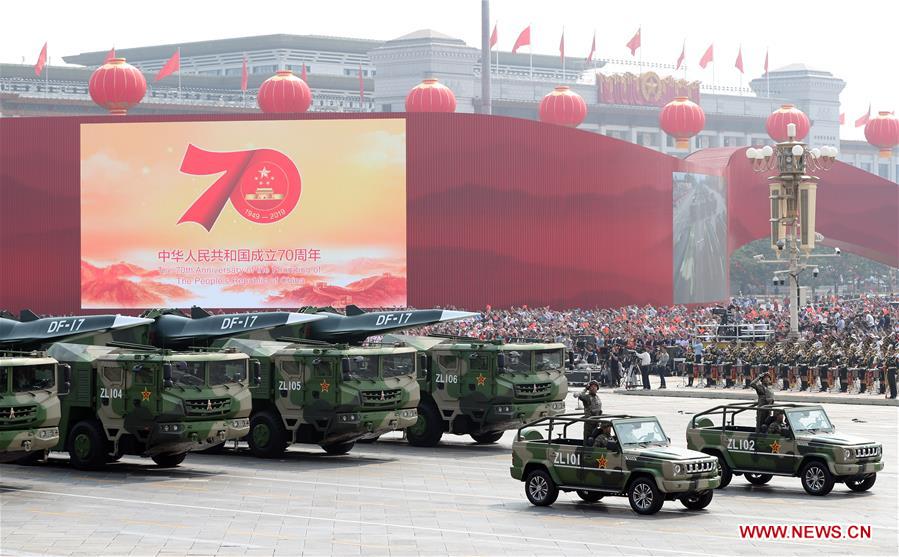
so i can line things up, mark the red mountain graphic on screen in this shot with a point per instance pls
(126, 285)
(376, 291)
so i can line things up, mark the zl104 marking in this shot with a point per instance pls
(69, 325)
(741, 444)
(110, 393)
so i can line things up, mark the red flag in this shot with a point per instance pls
(864, 118)
(303, 76)
(562, 46)
(524, 38)
(739, 63)
(592, 48)
(707, 57)
(244, 75)
(172, 66)
(842, 118)
(634, 43)
(766, 60)
(680, 59)
(109, 55)
(361, 87)
(41, 61)
(493, 37)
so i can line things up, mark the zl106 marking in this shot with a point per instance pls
(741, 444)
(447, 378)
(391, 318)
(110, 393)
(571, 459)
(69, 325)
(290, 385)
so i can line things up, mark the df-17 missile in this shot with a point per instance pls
(31, 331)
(173, 329)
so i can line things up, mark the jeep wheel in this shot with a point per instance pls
(861, 483)
(266, 437)
(724, 470)
(644, 496)
(428, 430)
(169, 460)
(816, 478)
(87, 448)
(540, 488)
(758, 479)
(339, 448)
(487, 438)
(697, 500)
(589, 496)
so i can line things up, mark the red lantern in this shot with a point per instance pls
(787, 114)
(682, 118)
(117, 86)
(563, 107)
(883, 131)
(284, 92)
(430, 96)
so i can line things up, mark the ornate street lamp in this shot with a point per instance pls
(792, 201)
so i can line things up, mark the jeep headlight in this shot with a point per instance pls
(847, 454)
(677, 469)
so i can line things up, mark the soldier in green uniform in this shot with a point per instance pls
(762, 386)
(604, 436)
(592, 407)
(778, 424)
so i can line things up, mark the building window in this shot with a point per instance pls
(264, 69)
(866, 166)
(385, 108)
(883, 170)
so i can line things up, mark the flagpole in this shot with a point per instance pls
(563, 53)
(767, 76)
(531, 64)
(640, 59)
(179, 73)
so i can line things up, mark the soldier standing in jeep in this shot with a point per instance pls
(592, 407)
(762, 386)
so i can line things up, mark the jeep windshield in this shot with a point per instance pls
(397, 365)
(29, 378)
(809, 419)
(640, 432)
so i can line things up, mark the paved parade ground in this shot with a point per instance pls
(390, 498)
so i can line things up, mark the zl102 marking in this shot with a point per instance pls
(290, 385)
(391, 318)
(571, 459)
(741, 444)
(110, 393)
(70, 325)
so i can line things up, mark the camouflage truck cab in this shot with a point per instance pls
(155, 403)
(29, 405)
(483, 388)
(330, 395)
(634, 459)
(790, 440)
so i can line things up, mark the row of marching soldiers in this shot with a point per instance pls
(867, 365)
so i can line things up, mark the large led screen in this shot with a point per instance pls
(699, 238)
(243, 214)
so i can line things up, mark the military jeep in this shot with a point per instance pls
(635, 461)
(801, 442)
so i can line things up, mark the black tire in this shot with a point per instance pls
(645, 498)
(725, 471)
(540, 488)
(758, 479)
(428, 430)
(816, 478)
(267, 438)
(87, 447)
(339, 448)
(487, 438)
(168, 460)
(589, 496)
(698, 500)
(861, 483)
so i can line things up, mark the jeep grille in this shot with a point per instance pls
(207, 406)
(864, 452)
(384, 397)
(532, 391)
(700, 467)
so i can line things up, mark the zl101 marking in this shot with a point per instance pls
(290, 385)
(110, 393)
(391, 318)
(70, 325)
(741, 444)
(571, 459)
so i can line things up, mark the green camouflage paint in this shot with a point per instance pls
(29, 406)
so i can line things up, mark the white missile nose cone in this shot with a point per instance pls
(293, 318)
(124, 321)
(450, 315)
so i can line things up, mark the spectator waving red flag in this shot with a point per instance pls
(592, 48)
(524, 38)
(244, 76)
(739, 63)
(680, 59)
(41, 61)
(709, 56)
(109, 55)
(493, 37)
(634, 43)
(863, 119)
(172, 66)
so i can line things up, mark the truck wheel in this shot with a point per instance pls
(487, 438)
(589, 496)
(816, 478)
(168, 460)
(758, 479)
(339, 448)
(644, 496)
(266, 437)
(87, 448)
(697, 500)
(540, 488)
(861, 483)
(428, 430)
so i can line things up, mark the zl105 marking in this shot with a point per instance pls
(391, 318)
(741, 444)
(110, 393)
(571, 459)
(290, 385)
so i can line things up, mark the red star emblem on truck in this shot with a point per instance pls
(481, 379)
(145, 394)
(775, 447)
(325, 386)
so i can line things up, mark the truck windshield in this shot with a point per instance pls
(190, 374)
(362, 367)
(518, 361)
(809, 419)
(546, 360)
(396, 365)
(646, 431)
(32, 378)
(228, 371)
